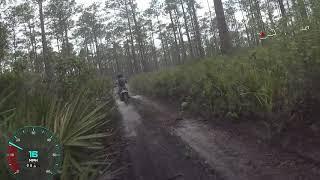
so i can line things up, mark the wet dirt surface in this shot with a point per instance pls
(155, 154)
(241, 158)
(159, 147)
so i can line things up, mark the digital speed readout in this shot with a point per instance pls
(34, 153)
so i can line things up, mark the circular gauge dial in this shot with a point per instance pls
(34, 153)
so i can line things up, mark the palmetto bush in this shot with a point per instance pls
(82, 121)
(5, 115)
(266, 80)
(221, 85)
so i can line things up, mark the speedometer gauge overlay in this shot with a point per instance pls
(34, 153)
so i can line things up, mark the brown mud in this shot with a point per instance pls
(154, 153)
(161, 146)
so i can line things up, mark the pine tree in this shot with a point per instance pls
(223, 28)
(59, 13)
(45, 51)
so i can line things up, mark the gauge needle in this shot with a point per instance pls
(12, 144)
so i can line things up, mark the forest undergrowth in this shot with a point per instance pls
(277, 83)
(78, 106)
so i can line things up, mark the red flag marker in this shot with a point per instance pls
(262, 35)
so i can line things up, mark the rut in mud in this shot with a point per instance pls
(161, 148)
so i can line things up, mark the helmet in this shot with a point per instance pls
(120, 76)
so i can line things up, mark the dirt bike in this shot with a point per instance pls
(124, 95)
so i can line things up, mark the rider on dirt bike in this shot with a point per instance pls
(121, 82)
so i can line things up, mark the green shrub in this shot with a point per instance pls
(79, 117)
(266, 80)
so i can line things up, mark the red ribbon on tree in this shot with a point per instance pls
(262, 35)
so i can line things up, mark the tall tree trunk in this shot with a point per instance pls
(248, 34)
(98, 55)
(270, 14)
(162, 42)
(29, 52)
(177, 52)
(243, 10)
(133, 51)
(215, 43)
(46, 58)
(93, 52)
(128, 55)
(255, 28)
(14, 40)
(212, 28)
(282, 8)
(192, 31)
(154, 52)
(87, 48)
(258, 15)
(166, 45)
(223, 28)
(184, 53)
(163, 47)
(197, 29)
(187, 29)
(139, 37)
(115, 57)
(67, 41)
(33, 52)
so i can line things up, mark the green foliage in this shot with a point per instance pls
(79, 117)
(73, 74)
(3, 41)
(266, 80)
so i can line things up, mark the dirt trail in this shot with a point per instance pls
(241, 158)
(155, 154)
(160, 148)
